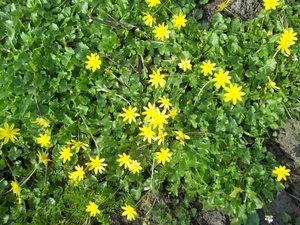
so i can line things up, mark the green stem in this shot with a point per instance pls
(288, 112)
(262, 22)
(201, 91)
(111, 72)
(275, 53)
(104, 90)
(31, 173)
(88, 130)
(45, 178)
(162, 5)
(152, 172)
(36, 102)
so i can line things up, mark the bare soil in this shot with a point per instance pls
(244, 9)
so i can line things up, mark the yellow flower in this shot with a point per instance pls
(161, 137)
(271, 4)
(159, 119)
(43, 140)
(173, 113)
(43, 158)
(150, 112)
(80, 172)
(223, 5)
(221, 78)
(19, 201)
(286, 40)
(148, 133)
(281, 172)
(129, 212)
(92, 207)
(77, 175)
(153, 3)
(234, 93)
(96, 164)
(157, 79)
(289, 35)
(93, 62)
(42, 122)
(73, 176)
(271, 84)
(124, 160)
(207, 68)
(165, 102)
(179, 20)
(181, 137)
(148, 19)
(129, 114)
(284, 46)
(163, 156)
(185, 64)
(161, 31)
(16, 189)
(9, 133)
(134, 166)
(77, 145)
(65, 154)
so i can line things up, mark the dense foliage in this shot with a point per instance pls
(77, 78)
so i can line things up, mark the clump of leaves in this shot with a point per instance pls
(147, 99)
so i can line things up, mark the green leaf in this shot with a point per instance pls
(32, 66)
(253, 219)
(193, 121)
(271, 63)
(4, 15)
(235, 192)
(298, 221)
(214, 39)
(136, 193)
(2, 164)
(257, 203)
(198, 13)
(236, 25)
(54, 27)
(14, 153)
(235, 221)
(84, 7)
(4, 94)
(217, 19)
(246, 157)
(203, 1)
(67, 120)
(50, 201)
(286, 217)
(26, 38)
(24, 105)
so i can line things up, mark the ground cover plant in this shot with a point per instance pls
(104, 105)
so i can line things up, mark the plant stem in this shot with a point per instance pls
(197, 97)
(88, 130)
(104, 90)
